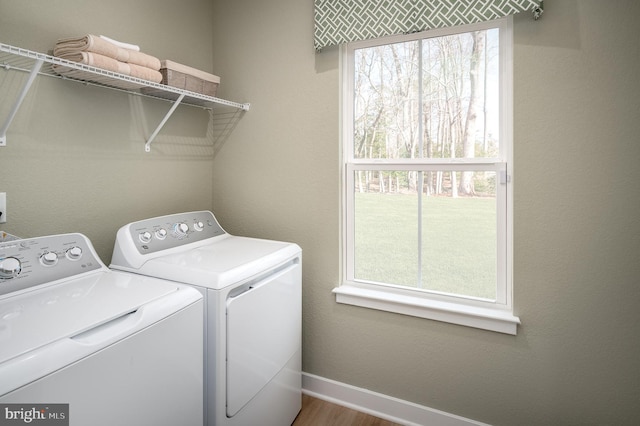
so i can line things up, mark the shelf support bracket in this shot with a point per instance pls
(25, 89)
(147, 146)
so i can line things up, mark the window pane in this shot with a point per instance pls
(430, 98)
(461, 95)
(459, 253)
(386, 228)
(449, 245)
(386, 101)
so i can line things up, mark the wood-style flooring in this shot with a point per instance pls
(316, 412)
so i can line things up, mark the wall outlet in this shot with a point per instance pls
(3, 207)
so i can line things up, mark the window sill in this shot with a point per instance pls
(500, 321)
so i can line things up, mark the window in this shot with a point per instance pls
(427, 197)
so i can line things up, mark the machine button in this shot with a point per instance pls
(198, 226)
(180, 229)
(49, 258)
(10, 267)
(161, 234)
(145, 237)
(74, 253)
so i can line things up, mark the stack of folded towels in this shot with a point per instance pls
(108, 54)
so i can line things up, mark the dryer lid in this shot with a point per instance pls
(221, 263)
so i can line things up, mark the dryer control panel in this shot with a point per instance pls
(166, 232)
(34, 261)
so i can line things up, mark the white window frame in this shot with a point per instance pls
(488, 315)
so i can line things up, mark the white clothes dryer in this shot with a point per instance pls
(252, 320)
(114, 348)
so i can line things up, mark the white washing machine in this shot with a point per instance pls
(118, 348)
(252, 321)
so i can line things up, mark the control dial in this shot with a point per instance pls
(74, 253)
(10, 267)
(180, 229)
(145, 237)
(49, 258)
(198, 226)
(161, 234)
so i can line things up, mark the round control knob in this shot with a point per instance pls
(180, 229)
(10, 267)
(145, 237)
(74, 253)
(49, 258)
(198, 226)
(161, 234)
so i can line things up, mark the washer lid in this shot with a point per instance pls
(226, 261)
(34, 319)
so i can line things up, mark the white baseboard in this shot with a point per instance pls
(379, 405)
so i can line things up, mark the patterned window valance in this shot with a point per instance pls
(342, 21)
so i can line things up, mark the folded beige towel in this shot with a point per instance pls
(110, 64)
(89, 43)
(144, 73)
(142, 59)
(98, 61)
(94, 44)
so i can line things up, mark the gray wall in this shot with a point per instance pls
(75, 160)
(577, 237)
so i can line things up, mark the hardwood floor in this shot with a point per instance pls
(316, 412)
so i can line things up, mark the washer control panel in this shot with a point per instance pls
(33, 261)
(166, 232)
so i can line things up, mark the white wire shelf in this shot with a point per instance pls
(35, 63)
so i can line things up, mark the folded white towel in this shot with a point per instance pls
(121, 44)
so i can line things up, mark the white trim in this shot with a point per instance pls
(491, 165)
(507, 128)
(379, 405)
(498, 320)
